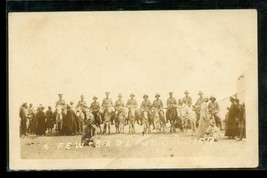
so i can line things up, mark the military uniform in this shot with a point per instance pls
(158, 104)
(82, 105)
(95, 106)
(119, 104)
(145, 106)
(132, 103)
(61, 103)
(187, 100)
(171, 102)
(107, 102)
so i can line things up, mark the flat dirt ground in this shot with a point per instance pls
(128, 146)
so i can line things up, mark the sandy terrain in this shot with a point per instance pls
(127, 145)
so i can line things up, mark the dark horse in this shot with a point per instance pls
(175, 120)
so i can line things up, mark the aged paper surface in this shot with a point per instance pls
(140, 52)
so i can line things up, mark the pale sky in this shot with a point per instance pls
(140, 52)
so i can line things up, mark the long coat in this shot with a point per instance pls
(23, 120)
(40, 121)
(49, 119)
(70, 122)
(232, 123)
(204, 120)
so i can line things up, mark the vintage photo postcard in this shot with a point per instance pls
(133, 89)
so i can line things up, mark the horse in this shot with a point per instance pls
(107, 119)
(131, 117)
(158, 120)
(189, 118)
(145, 121)
(119, 118)
(98, 120)
(175, 120)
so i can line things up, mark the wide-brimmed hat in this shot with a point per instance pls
(107, 92)
(132, 94)
(95, 97)
(119, 95)
(60, 94)
(186, 92)
(157, 95)
(200, 93)
(170, 92)
(212, 97)
(145, 96)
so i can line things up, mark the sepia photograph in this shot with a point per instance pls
(133, 89)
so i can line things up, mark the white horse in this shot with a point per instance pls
(132, 120)
(157, 120)
(188, 116)
(145, 120)
(120, 120)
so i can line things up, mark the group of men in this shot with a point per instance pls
(97, 110)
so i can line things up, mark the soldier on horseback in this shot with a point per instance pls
(132, 105)
(145, 113)
(82, 104)
(158, 104)
(95, 109)
(171, 105)
(107, 111)
(120, 115)
(187, 99)
(60, 106)
(119, 105)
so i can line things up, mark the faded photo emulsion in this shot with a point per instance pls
(133, 89)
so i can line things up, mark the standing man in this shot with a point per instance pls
(171, 104)
(215, 109)
(241, 120)
(198, 106)
(30, 116)
(61, 102)
(187, 99)
(23, 119)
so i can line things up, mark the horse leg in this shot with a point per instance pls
(108, 127)
(105, 127)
